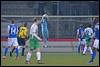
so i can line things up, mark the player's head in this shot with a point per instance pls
(44, 16)
(36, 20)
(13, 21)
(89, 25)
(25, 24)
(81, 25)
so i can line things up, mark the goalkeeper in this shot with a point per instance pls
(44, 29)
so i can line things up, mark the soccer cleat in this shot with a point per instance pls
(4, 57)
(39, 62)
(22, 55)
(90, 62)
(27, 62)
(84, 54)
(10, 54)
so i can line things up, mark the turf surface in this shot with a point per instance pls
(52, 59)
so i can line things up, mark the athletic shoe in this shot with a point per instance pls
(27, 62)
(4, 57)
(90, 62)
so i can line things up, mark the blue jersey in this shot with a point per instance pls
(80, 32)
(12, 30)
(96, 33)
(44, 25)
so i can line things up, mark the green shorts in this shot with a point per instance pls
(88, 41)
(33, 42)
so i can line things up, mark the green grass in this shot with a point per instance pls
(53, 59)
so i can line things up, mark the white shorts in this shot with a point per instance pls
(12, 42)
(82, 42)
(96, 43)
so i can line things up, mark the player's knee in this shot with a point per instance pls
(38, 49)
(15, 46)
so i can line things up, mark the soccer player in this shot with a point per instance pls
(44, 29)
(88, 32)
(12, 38)
(22, 36)
(80, 32)
(34, 42)
(96, 43)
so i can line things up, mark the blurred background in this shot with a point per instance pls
(63, 25)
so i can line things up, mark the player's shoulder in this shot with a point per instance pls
(33, 25)
(86, 28)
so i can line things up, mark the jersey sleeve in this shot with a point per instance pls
(77, 31)
(8, 29)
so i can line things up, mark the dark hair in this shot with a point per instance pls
(89, 25)
(35, 19)
(13, 21)
(81, 25)
(25, 24)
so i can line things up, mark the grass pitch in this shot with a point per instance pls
(52, 59)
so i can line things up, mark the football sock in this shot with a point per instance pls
(28, 56)
(16, 52)
(38, 54)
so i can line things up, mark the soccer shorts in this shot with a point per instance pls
(88, 41)
(81, 41)
(96, 43)
(21, 41)
(33, 43)
(12, 42)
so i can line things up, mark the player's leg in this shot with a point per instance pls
(15, 45)
(7, 46)
(88, 40)
(11, 50)
(26, 47)
(85, 49)
(89, 46)
(23, 48)
(45, 42)
(44, 38)
(83, 45)
(38, 51)
(31, 46)
(38, 55)
(79, 42)
(20, 45)
(90, 50)
(86, 46)
(28, 56)
(95, 46)
(5, 49)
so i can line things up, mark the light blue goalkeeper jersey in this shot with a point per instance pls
(44, 27)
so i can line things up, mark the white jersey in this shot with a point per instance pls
(88, 31)
(34, 29)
